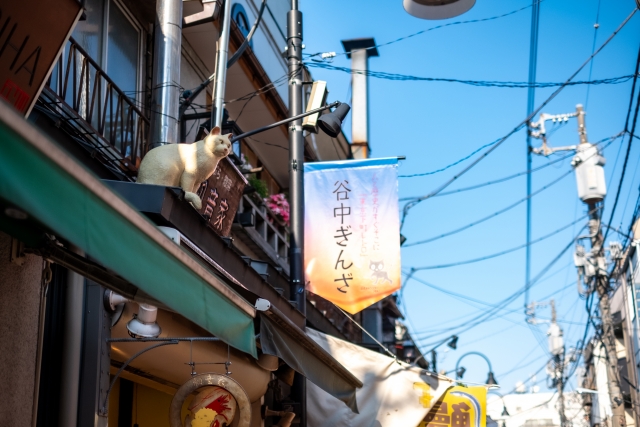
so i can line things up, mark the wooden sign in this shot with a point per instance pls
(32, 35)
(221, 195)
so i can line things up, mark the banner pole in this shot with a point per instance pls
(296, 183)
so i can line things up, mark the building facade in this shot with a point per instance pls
(86, 250)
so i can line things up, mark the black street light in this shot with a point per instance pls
(330, 123)
(505, 413)
(451, 341)
(460, 370)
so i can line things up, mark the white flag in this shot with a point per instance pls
(394, 394)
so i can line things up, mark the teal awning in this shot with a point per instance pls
(51, 187)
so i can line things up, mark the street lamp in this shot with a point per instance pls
(437, 9)
(505, 413)
(330, 123)
(460, 370)
(451, 341)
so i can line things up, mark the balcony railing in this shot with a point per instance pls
(268, 236)
(99, 111)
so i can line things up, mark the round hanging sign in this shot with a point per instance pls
(214, 405)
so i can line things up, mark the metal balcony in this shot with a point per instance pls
(96, 111)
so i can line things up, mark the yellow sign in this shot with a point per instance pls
(458, 407)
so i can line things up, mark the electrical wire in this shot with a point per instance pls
(489, 314)
(490, 216)
(485, 184)
(631, 134)
(457, 162)
(478, 83)
(525, 121)
(504, 252)
(608, 141)
(437, 27)
(531, 93)
(593, 47)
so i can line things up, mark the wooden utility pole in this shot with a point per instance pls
(602, 288)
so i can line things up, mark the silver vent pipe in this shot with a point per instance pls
(167, 47)
(360, 50)
(222, 48)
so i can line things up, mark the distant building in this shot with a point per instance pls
(534, 410)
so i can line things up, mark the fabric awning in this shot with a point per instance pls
(394, 393)
(280, 337)
(38, 177)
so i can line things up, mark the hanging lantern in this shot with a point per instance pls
(437, 9)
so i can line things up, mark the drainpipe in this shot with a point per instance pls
(221, 67)
(360, 50)
(71, 347)
(167, 48)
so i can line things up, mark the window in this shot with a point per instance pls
(112, 39)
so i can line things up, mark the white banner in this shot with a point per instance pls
(394, 394)
(352, 232)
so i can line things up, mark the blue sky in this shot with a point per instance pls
(435, 124)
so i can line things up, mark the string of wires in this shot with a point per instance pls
(631, 135)
(485, 184)
(490, 216)
(504, 252)
(523, 123)
(487, 315)
(414, 202)
(607, 141)
(478, 83)
(481, 305)
(437, 27)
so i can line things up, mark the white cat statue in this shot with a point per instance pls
(185, 165)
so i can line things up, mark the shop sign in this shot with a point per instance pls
(352, 232)
(32, 35)
(459, 407)
(221, 195)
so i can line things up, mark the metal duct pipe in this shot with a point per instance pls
(359, 50)
(71, 347)
(166, 73)
(221, 67)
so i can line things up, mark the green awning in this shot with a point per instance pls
(50, 186)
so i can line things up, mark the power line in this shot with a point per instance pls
(504, 252)
(524, 122)
(457, 162)
(531, 93)
(478, 83)
(593, 47)
(493, 215)
(486, 315)
(432, 29)
(631, 133)
(609, 140)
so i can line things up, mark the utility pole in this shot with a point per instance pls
(588, 164)
(296, 181)
(296, 155)
(556, 348)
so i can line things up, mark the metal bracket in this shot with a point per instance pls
(294, 165)
(103, 411)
